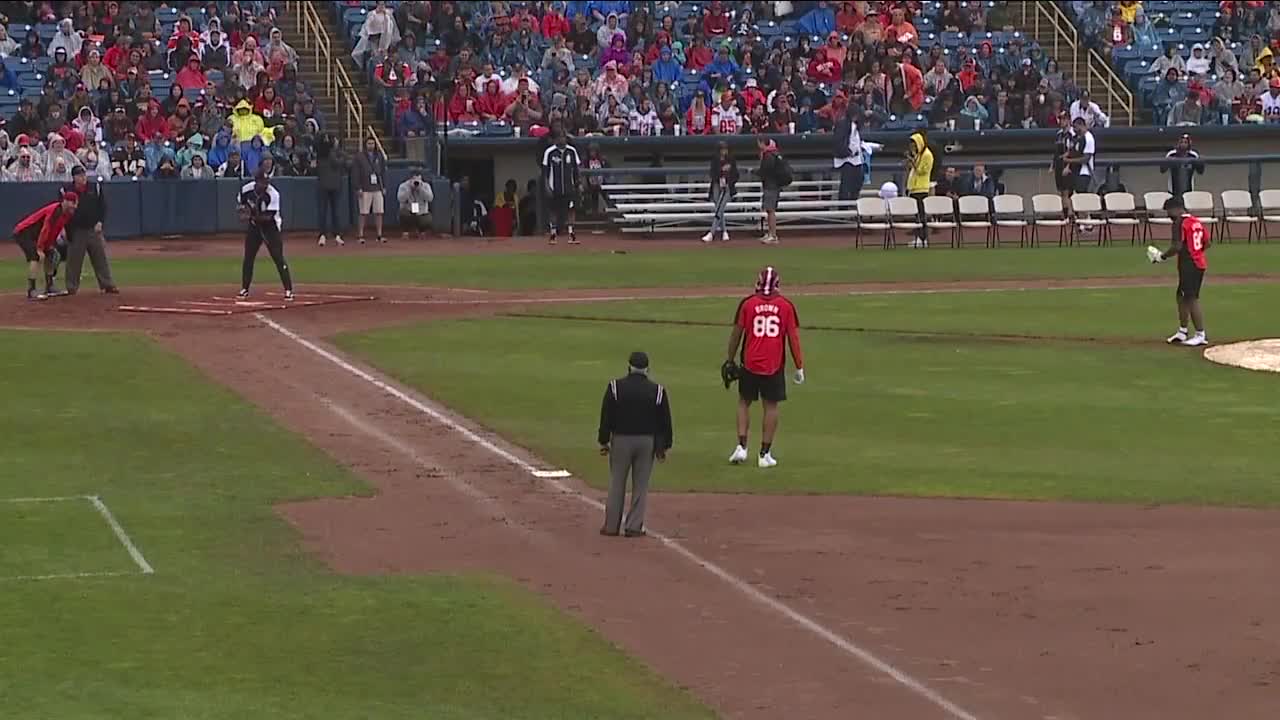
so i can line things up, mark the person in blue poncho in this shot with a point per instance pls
(819, 21)
(251, 154)
(220, 150)
(666, 69)
(723, 65)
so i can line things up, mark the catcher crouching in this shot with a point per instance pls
(37, 235)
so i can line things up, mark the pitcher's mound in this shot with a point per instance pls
(231, 305)
(1261, 355)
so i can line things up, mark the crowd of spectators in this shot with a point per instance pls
(1225, 79)
(667, 68)
(144, 90)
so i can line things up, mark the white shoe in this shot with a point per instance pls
(706, 238)
(322, 241)
(1197, 339)
(739, 455)
(243, 294)
(288, 295)
(769, 240)
(337, 240)
(725, 236)
(1177, 338)
(766, 460)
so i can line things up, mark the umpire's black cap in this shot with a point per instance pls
(638, 360)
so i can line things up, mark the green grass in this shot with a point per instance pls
(887, 413)
(238, 621)
(693, 267)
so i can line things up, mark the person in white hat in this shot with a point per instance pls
(1199, 62)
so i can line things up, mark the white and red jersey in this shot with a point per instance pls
(726, 120)
(768, 323)
(1270, 107)
(1194, 242)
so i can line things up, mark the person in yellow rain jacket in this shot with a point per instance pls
(919, 165)
(245, 124)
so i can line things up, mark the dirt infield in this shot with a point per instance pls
(915, 608)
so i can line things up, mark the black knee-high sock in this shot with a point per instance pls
(252, 242)
(31, 285)
(275, 246)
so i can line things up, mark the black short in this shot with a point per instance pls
(1064, 183)
(560, 207)
(1083, 183)
(27, 242)
(1190, 278)
(770, 388)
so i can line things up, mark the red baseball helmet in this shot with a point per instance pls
(767, 281)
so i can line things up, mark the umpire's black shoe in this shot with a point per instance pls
(635, 533)
(608, 533)
(111, 290)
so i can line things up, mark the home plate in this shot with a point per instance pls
(1263, 355)
(218, 305)
(552, 474)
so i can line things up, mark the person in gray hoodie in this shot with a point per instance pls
(330, 167)
(414, 197)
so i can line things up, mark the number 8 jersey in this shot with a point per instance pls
(767, 323)
(1194, 242)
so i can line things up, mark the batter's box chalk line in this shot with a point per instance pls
(144, 567)
(221, 305)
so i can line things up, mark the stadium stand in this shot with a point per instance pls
(667, 68)
(140, 90)
(1191, 63)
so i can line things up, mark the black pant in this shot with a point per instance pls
(923, 232)
(851, 179)
(328, 202)
(254, 238)
(414, 223)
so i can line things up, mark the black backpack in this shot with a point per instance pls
(783, 169)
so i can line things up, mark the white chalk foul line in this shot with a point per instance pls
(847, 646)
(65, 576)
(121, 535)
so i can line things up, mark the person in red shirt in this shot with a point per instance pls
(716, 21)
(554, 24)
(1190, 240)
(765, 325)
(37, 235)
(699, 56)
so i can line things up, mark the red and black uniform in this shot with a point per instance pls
(769, 324)
(1193, 240)
(39, 230)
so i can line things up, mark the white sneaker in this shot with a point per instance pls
(706, 238)
(322, 241)
(766, 460)
(1177, 338)
(769, 240)
(337, 240)
(739, 455)
(1197, 339)
(725, 236)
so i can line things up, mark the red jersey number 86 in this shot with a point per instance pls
(766, 326)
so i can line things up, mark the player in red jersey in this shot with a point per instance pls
(37, 235)
(769, 324)
(1190, 240)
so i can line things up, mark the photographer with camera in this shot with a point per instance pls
(415, 196)
(330, 167)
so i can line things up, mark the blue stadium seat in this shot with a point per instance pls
(1125, 54)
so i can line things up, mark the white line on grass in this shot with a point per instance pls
(121, 535)
(65, 576)
(62, 498)
(799, 293)
(847, 646)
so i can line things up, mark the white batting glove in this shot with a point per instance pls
(799, 376)
(1154, 254)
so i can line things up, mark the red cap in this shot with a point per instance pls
(70, 195)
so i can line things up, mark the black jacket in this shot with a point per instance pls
(843, 130)
(635, 405)
(92, 208)
(732, 177)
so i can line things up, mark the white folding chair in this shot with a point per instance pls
(1200, 204)
(1047, 211)
(904, 214)
(1122, 211)
(1009, 211)
(1082, 205)
(940, 214)
(979, 207)
(873, 214)
(1268, 210)
(1237, 209)
(1153, 203)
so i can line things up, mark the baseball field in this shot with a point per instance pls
(1000, 494)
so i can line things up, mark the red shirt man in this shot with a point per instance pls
(36, 235)
(1190, 240)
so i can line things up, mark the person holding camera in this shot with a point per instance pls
(330, 168)
(415, 196)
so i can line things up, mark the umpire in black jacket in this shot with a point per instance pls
(84, 234)
(635, 428)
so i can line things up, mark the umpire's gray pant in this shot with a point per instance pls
(628, 454)
(80, 241)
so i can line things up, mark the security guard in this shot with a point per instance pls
(635, 428)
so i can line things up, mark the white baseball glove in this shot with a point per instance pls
(1154, 254)
(799, 376)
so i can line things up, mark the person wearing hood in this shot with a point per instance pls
(244, 123)
(492, 103)
(93, 72)
(7, 151)
(277, 48)
(191, 77)
(247, 68)
(58, 161)
(819, 21)
(221, 149)
(415, 197)
(1170, 60)
(378, 33)
(252, 154)
(198, 169)
(615, 51)
(1169, 91)
(152, 124)
(974, 113)
(8, 46)
(724, 65)
(155, 151)
(85, 233)
(25, 168)
(1199, 62)
(919, 164)
(176, 125)
(608, 29)
(66, 39)
(190, 149)
(217, 52)
(558, 56)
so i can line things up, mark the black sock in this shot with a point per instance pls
(48, 282)
(31, 285)
(764, 448)
(742, 441)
